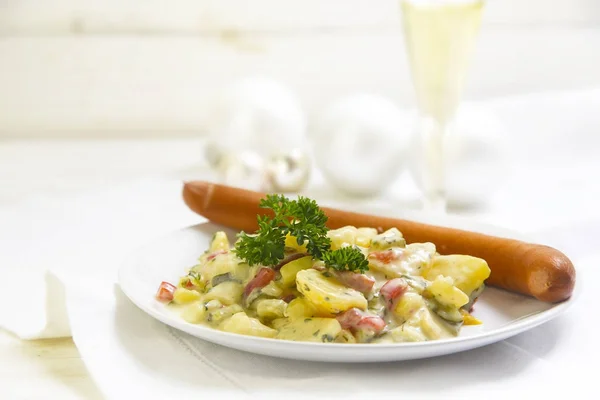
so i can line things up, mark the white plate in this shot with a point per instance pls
(504, 314)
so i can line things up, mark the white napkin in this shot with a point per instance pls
(70, 236)
(129, 353)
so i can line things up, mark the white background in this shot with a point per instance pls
(137, 68)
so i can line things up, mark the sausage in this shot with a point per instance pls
(531, 269)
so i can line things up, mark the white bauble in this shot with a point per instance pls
(244, 169)
(360, 143)
(475, 159)
(288, 172)
(256, 114)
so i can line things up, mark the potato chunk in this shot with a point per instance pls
(344, 236)
(185, 296)
(219, 242)
(242, 324)
(300, 308)
(407, 333)
(194, 313)
(271, 308)
(468, 272)
(227, 293)
(222, 265)
(364, 236)
(328, 295)
(408, 305)
(292, 243)
(310, 330)
(390, 238)
(289, 270)
(444, 292)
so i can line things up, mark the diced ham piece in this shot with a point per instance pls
(372, 323)
(359, 282)
(357, 320)
(349, 318)
(385, 256)
(392, 291)
(260, 280)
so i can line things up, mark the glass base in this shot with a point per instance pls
(432, 168)
(435, 204)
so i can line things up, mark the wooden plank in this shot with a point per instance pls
(43, 369)
(216, 16)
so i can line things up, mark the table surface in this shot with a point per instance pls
(53, 368)
(43, 369)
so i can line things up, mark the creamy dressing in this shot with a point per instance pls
(410, 260)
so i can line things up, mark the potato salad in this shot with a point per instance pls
(396, 291)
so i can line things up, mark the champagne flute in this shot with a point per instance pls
(440, 36)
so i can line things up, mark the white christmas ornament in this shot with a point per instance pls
(256, 136)
(360, 143)
(256, 114)
(243, 169)
(288, 172)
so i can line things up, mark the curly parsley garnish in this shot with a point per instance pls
(303, 219)
(267, 247)
(346, 259)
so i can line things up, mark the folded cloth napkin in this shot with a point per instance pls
(90, 232)
(128, 353)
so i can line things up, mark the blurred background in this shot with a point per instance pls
(99, 93)
(147, 68)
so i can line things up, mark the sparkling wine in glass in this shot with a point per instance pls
(440, 36)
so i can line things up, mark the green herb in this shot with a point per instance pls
(327, 338)
(300, 218)
(346, 259)
(303, 219)
(266, 248)
(195, 275)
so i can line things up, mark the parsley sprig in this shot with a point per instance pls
(303, 219)
(263, 248)
(345, 259)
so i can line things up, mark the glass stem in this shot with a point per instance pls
(433, 164)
